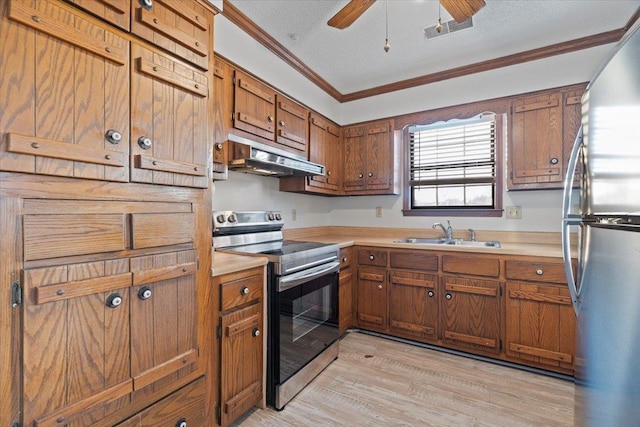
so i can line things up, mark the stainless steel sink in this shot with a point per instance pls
(452, 242)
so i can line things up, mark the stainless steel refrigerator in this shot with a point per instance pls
(606, 289)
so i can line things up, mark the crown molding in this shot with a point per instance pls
(247, 25)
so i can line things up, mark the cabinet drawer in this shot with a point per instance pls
(240, 291)
(476, 266)
(186, 405)
(536, 271)
(53, 236)
(414, 260)
(346, 255)
(162, 229)
(375, 257)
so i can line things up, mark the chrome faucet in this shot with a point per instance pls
(472, 234)
(447, 231)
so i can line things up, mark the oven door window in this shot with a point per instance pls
(308, 322)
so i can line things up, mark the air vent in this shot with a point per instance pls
(448, 28)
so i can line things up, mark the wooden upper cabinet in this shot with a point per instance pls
(543, 129)
(76, 342)
(292, 128)
(369, 159)
(222, 101)
(183, 28)
(116, 12)
(254, 106)
(64, 94)
(169, 120)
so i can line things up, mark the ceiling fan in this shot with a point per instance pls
(460, 10)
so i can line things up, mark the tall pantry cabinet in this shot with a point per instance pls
(105, 213)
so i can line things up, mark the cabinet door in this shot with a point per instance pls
(345, 299)
(354, 159)
(254, 106)
(164, 313)
(65, 86)
(571, 121)
(540, 325)
(169, 121)
(76, 342)
(241, 361)
(116, 12)
(318, 149)
(333, 158)
(293, 126)
(536, 141)
(471, 314)
(413, 306)
(179, 27)
(221, 111)
(378, 157)
(372, 298)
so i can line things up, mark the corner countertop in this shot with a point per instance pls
(225, 263)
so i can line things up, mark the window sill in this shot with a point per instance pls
(453, 212)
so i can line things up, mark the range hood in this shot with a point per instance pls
(261, 159)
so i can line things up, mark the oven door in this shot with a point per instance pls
(306, 304)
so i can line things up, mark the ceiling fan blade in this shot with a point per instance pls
(461, 10)
(349, 13)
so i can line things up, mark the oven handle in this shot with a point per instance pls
(292, 280)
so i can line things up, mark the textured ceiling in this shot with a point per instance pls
(353, 59)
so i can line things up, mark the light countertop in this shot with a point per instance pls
(225, 263)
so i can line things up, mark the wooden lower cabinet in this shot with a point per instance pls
(471, 313)
(372, 298)
(413, 305)
(345, 291)
(184, 408)
(241, 331)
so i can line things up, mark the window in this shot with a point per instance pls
(454, 168)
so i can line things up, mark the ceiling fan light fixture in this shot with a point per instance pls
(439, 26)
(387, 46)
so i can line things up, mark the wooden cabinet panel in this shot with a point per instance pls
(116, 12)
(471, 264)
(254, 106)
(86, 339)
(536, 271)
(292, 127)
(471, 314)
(571, 121)
(372, 297)
(378, 168)
(53, 236)
(162, 229)
(169, 121)
(241, 361)
(66, 87)
(540, 325)
(354, 158)
(163, 321)
(370, 256)
(345, 299)
(179, 27)
(413, 304)
(417, 260)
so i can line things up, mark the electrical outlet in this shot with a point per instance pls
(294, 215)
(378, 212)
(514, 212)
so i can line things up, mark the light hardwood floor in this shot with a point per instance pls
(380, 382)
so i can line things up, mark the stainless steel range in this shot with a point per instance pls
(302, 280)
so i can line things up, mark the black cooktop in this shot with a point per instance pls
(277, 248)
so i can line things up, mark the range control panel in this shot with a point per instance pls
(255, 220)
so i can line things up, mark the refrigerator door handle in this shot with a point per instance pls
(569, 220)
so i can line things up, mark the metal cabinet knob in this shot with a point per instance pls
(144, 142)
(344, 259)
(360, 175)
(144, 293)
(379, 286)
(554, 161)
(370, 174)
(114, 300)
(448, 296)
(281, 123)
(328, 173)
(371, 257)
(539, 272)
(270, 119)
(255, 332)
(244, 291)
(147, 4)
(182, 422)
(113, 136)
(218, 146)
(430, 293)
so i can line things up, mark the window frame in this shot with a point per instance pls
(495, 211)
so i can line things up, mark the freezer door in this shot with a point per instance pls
(608, 367)
(611, 128)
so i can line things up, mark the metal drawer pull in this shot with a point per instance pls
(114, 300)
(370, 174)
(144, 293)
(539, 272)
(218, 146)
(255, 332)
(371, 257)
(182, 422)
(344, 259)
(244, 291)
(430, 293)
(448, 296)
(147, 4)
